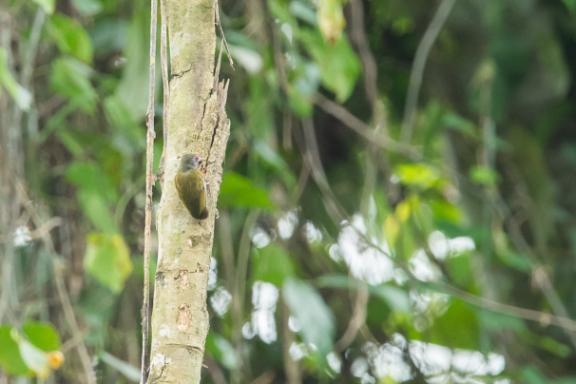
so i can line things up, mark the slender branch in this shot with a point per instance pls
(150, 135)
(165, 65)
(291, 367)
(363, 129)
(222, 36)
(417, 73)
(240, 287)
(357, 319)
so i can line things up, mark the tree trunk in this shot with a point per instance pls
(196, 123)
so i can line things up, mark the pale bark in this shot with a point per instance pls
(196, 123)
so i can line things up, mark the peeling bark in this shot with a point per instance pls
(196, 123)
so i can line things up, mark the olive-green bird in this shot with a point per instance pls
(191, 186)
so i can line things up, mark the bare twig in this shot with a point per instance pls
(291, 368)
(222, 36)
(358, 35)
(165, 77)
(419, 65)
(150, 135)
(357, 319)
(363, 129)
(542, 318)
(240, 284)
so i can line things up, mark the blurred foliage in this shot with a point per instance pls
(342, 253)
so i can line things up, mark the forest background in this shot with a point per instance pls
(397, 203)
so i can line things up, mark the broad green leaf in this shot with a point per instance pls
(46, 5)
(239, 191)
(133, 87)
(70, 37)
(21, 95)
(90, 177)
(129, 135)
(339, 66)
(304, 82)
(272, 264)
(96, 209)
(445, 211)
(276, 162)
(10, 360)
(42, 335)
(70, 78)
(108, 260)
(312, 313)
(418, 175)
(448, 329)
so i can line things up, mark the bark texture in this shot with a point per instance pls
(196, 123)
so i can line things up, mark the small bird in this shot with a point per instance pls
(191, 186)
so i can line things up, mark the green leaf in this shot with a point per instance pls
(483, 175)
(133, 87)
(221, 350)
(396, 298)
(90, 177)
(418, 175)
(88, 7)
(21, 95)
(129, 135)
(445, 211)
(42, 335)
(70, 37)
(339, 66)
(10, 360)
(460, 124)
(304, 82)
(108, 260)
(275, 161)
(532, 375)
(272, 264)
(570, 4)
(70, 78)
(312, 313)
(46, 5)
(239, 191)
(448, 329)
(96, 209)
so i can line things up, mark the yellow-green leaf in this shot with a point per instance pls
(108, 260)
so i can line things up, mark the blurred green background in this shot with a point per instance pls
(397, 205)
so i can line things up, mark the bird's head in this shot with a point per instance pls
(190, 162)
